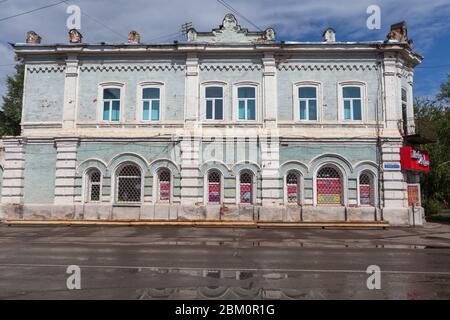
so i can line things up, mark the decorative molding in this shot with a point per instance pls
(46, 68)
(230, 67)
(133, 67)
(337, 67)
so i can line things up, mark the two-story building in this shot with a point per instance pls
(227, 125)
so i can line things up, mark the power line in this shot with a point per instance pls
(228, 6)
(30, 11)
(178, 33)
(99, 22)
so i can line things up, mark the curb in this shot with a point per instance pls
(254, 224)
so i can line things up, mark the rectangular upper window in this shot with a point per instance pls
(352, 102)
(151, 102)
(214, 103)
(247, 103)
(111, 104)
(308, 103)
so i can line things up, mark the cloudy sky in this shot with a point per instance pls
(296, 20)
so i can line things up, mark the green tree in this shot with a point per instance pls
(12, 104)
(433, 122)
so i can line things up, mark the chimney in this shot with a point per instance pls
(134, 37)
(398, 33)
(75, 36)
(329, 35)
(33, 38)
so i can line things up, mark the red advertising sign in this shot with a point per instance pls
(414, 159)
(329, 191)
(246, 192)
(292, 193)
(164, 191)
(364, 194)
(214, 192)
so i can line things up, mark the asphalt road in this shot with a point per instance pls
(224, 263)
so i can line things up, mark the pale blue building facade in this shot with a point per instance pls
(229, 125)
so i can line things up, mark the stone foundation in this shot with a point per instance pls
(176, 212)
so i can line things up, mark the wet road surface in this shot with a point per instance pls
(223, 263)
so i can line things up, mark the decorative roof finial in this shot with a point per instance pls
(329, 35)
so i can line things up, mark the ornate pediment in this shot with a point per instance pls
(231, 32)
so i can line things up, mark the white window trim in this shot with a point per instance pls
(87, 186)
(300, 196)
(115, 185)
(206, 188)
(258, 98)
(113, 85)
(296, 103)
(155, 192)
(139, 105)
(238, 187)
(364, 102)
(344, 185)
(213, 83)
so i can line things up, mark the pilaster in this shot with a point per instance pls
(270, 164)
(270, 91)
(14, 166)
(70, 92)
(192, 91)
(392, 104)
(66, 159)
(190, 161)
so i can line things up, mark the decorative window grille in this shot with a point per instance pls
(129, 184)
(352, 103)
(151, 102)
(292, 188)
(329, 186)
(111, 104)
(247, 103)
(366, 191)
(164, 185)
(214, 187)
(214, 103)
(93, 185)
(246, 187)
(308, 103)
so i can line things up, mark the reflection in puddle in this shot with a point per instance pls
(242, 285)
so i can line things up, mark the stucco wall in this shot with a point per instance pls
(40, 167)
(44, 94)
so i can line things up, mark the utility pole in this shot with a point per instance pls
(184, 29)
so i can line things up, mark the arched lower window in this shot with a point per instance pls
(214, 187)
(293, 188)
(246, 187)
(366, 189)
(329, 186)
(164, 185)
(129, 184)
(93, 184)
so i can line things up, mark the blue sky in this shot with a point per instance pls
(296, 20)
